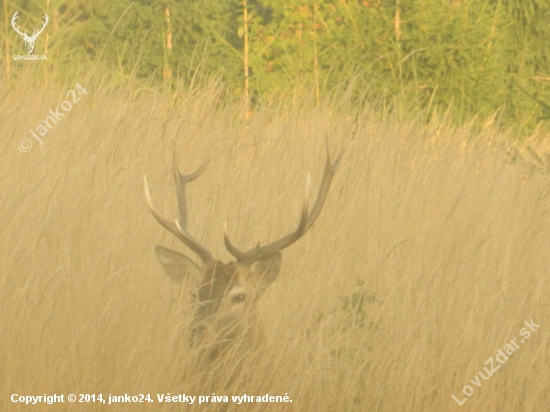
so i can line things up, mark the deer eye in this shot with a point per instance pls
(239, 298)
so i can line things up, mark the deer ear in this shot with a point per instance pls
(179, 267)
(267, 270)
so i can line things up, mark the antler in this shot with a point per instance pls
(13, 20)
(306, 219)
(36, 33)
(179, 227)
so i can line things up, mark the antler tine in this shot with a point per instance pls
(176, 228)
(181, 181)
(13, 23)
(328, 174)
(306, 219)
(258, 252)
(46, 19)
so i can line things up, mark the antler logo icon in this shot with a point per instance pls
(29, 40)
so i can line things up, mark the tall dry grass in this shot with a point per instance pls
(430, 253)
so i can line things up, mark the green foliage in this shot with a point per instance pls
(470, 56)
(354, 306)
(352, 316)
(352, 312)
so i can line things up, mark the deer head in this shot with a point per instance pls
(29, 40)
(226, 294)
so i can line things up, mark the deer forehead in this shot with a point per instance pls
(221, 278)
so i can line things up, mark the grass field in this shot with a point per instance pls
(430, 254)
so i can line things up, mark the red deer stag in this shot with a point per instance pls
(226, 294)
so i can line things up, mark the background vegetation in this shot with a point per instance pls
(437, 54)
(432, 249)
(431, 252)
